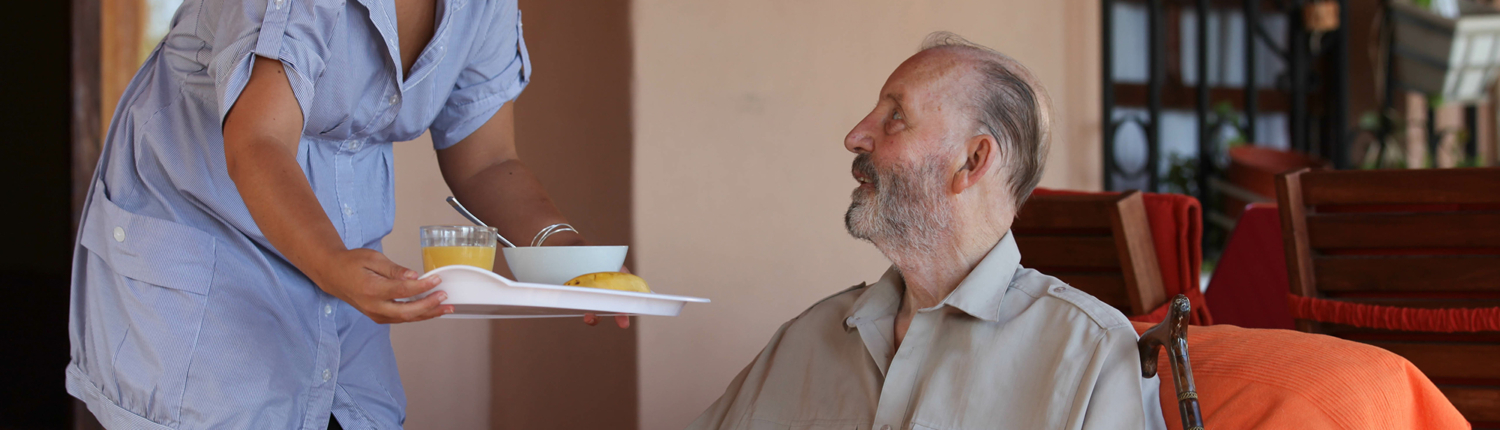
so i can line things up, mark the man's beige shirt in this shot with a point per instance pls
(1010, 348)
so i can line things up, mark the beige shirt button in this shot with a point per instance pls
(119, 234)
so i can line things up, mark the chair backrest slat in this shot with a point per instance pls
(1098, 243)
(1055, 251)
(1404, 230)
(1477, 404)
(1391, 273)
(1067, 211)
(1449, 360)
(1427, 186)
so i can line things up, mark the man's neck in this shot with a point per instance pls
(929, 276)
(931, 273)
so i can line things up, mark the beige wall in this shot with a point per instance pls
(741, 179)
(573, 130)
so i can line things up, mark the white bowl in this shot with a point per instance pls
(554, 265)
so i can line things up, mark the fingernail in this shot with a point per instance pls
(442, 295)
(435, 280)
(448, 310)
(411, 275)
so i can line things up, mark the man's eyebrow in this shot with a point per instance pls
(896, 97)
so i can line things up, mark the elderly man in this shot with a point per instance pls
(956, 335)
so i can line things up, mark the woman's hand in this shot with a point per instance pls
(620, 320)
(370, 282)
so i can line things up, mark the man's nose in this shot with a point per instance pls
(860, 140)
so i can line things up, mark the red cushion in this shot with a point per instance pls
(1442, 320)
(1177, 232)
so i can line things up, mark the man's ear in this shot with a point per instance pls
(981, 153)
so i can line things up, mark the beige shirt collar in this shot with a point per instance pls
(980, 294)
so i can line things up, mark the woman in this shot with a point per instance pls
(227, 272)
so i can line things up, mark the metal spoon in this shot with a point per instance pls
(474, 219)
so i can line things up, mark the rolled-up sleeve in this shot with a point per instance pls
(498, 69)
(292, 31)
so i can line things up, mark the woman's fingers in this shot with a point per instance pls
(434, 313)
(621, 320)
(410, 288)
(416, 310)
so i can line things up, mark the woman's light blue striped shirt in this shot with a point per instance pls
(183, 315)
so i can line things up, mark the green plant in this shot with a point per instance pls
(1182, 174)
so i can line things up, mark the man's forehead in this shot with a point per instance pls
(925, 77)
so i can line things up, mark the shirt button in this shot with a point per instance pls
(279, 2)
(395, 99)
(327, 310)
(1057, 290)
(851, 321)
(885, 427)
(119, 234)
(327, 375)
(353, 146)
(348, 210)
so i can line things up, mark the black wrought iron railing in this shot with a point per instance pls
(1312, 90)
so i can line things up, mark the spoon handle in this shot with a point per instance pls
(453, 201)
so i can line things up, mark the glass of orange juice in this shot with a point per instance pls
(447, 245)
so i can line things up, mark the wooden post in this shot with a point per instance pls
(1416, 130)
(86, 125)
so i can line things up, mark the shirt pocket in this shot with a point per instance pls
(152, 277)
(147, 249)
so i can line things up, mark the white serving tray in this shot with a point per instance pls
(479, 293)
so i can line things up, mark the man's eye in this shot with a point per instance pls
(896, 123)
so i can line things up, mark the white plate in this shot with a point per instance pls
(479, 293)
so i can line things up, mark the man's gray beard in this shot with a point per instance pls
(905, 212)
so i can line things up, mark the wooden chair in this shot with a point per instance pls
(1100, 244)
(1404, 238)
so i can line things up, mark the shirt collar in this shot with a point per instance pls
(980, 294)
(881, 299)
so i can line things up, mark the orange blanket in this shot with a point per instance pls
(1281, 379)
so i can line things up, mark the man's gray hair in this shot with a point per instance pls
(1012, 106)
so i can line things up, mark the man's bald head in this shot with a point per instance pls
(1007, 102)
